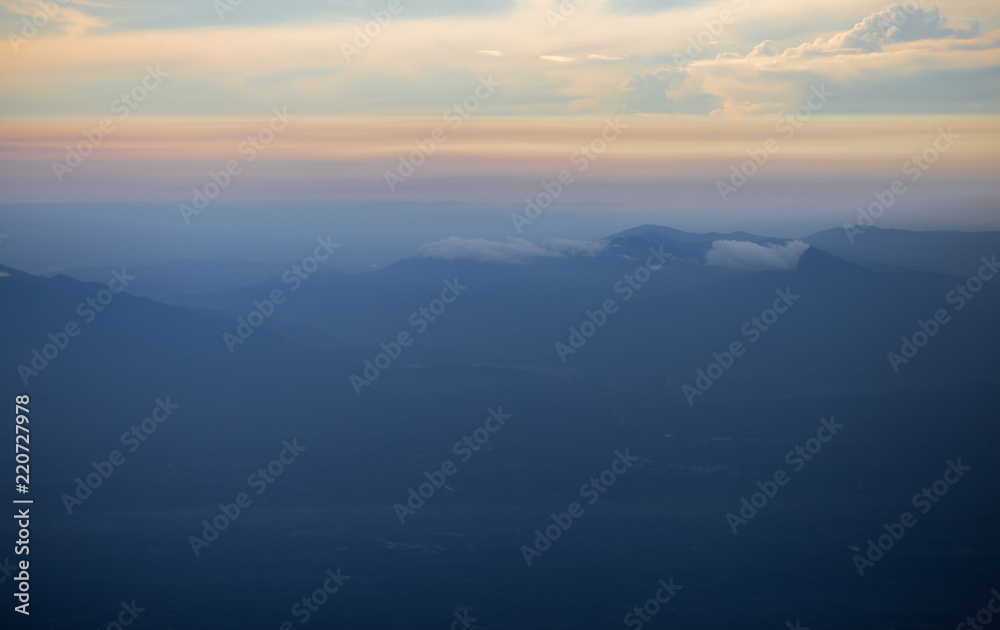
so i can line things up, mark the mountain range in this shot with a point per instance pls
(590, 347)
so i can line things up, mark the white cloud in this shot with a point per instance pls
(750, 256)
(243, 76)
(570, 247)
(513, 250)
(895, 24)
(900, 59)
(767, 48)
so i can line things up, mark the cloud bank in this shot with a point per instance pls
(902, 59)
(513, 250)
(753, 257)
(896, 24)
(913, 59)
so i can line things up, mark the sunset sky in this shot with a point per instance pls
(698, 84)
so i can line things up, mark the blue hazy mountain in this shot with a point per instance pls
(496, 346)
(167, 282)
(942, 252)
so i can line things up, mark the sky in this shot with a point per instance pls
(845, 92)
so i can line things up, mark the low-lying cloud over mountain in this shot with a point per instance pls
(513, 250)
(753, 257)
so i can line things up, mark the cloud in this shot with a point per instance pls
(74, 22)
(902, 59)
(438, 46)
(753, 257)
(895, 24)
(767, 48)
(492, 53)
(566, 246)
(663, 92)
(513, 250)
